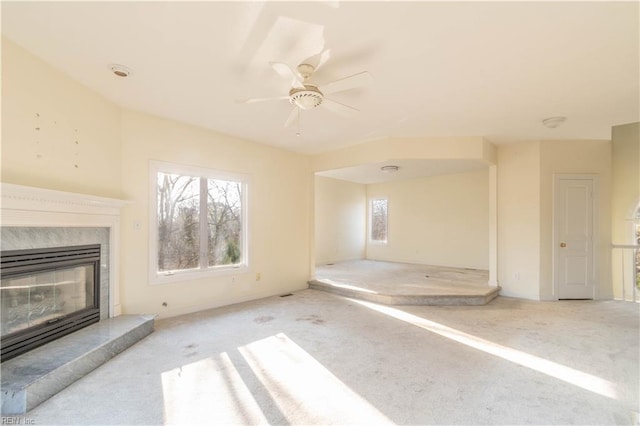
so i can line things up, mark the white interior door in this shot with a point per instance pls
(574, 261)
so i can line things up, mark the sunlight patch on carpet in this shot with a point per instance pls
(567, 374)
(304, 390)
(209, 391)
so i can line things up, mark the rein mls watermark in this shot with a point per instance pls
(16, 420)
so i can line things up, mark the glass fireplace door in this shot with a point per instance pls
(44, 297)
(45, 294)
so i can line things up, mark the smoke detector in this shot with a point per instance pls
(120, 70)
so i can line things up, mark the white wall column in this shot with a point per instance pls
(493, 225)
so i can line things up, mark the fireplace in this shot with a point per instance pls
(34, 219)
(47, 293)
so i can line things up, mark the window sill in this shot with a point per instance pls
(196, 274)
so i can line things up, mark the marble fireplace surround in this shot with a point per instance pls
(29, 207)
(63, 217)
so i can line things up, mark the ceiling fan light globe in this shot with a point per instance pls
(305, 99)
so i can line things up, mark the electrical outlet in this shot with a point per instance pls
(258, 276)
(516, 276)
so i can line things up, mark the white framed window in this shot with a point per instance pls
(198, 224)
(378, 220)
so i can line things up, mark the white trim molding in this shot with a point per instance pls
(27, 206)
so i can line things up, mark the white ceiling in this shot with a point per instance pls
(492, 69)
(407, 169)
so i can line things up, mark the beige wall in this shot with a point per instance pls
(279, 241)
(525, 212)
(476, 149)
(113, 152)
(576, 157)
(625, 198)
(460, 148)
(340, 220)
(44, 113)
(56, 133)
(519, 219)
(439, 220)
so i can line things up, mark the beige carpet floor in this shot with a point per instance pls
(317, 358)
(405, 278)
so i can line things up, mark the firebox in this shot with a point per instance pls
(46, 294)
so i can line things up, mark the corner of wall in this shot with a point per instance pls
(490, 152)
(518, 193)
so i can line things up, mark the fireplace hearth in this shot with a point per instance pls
(47, 293)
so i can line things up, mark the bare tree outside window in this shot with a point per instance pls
(184, 241)
(379, 220)
(178, 222)
(225, 222)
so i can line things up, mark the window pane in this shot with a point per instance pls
(178, 222)
(225, 222)
(379, 220)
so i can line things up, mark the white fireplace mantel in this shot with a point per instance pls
(25, 206)
(27, 198)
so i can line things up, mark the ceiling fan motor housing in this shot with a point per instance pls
(307, 98)
(305, 71)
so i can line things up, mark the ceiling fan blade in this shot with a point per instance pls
(287, 72)
(337, 107)
(292, 116)
(317, 60)
(347, 83)
(254, 100)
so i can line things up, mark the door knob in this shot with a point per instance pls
(563, 245)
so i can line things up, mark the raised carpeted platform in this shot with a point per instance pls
(405, 284)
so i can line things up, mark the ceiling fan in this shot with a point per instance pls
(306, 95)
